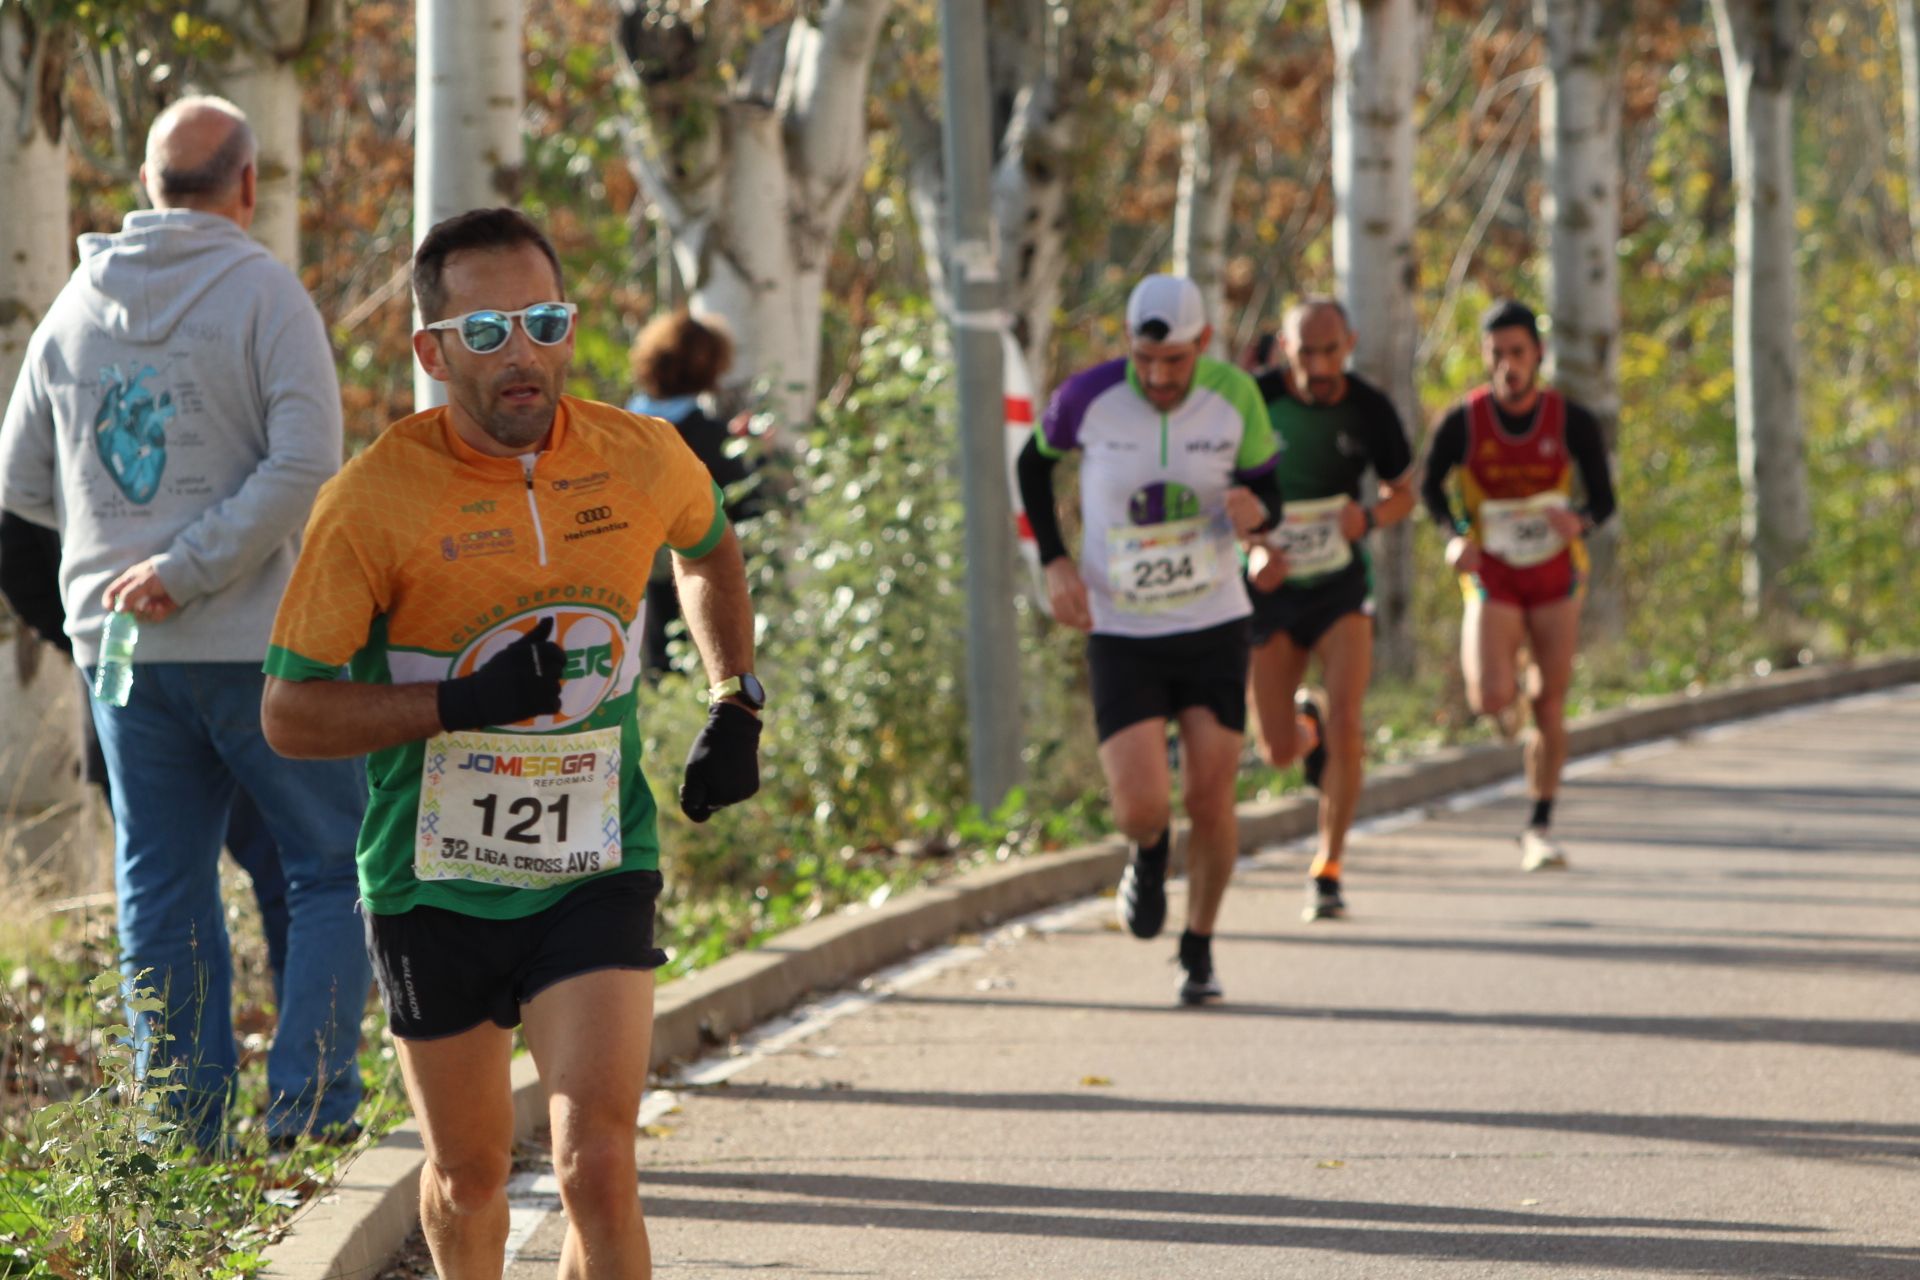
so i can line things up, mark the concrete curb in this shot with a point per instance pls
(353, 1230)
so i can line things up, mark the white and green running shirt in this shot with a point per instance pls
(1158, 550)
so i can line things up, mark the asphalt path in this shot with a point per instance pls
(1695, 1053)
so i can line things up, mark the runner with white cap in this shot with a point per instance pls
(1177, 464)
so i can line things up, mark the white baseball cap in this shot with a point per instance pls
(1171, 301)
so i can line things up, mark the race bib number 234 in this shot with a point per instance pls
(1161, 566)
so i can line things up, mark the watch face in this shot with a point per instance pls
(753, 691)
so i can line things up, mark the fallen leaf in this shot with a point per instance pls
(1096, 1082)
(1333, 1164)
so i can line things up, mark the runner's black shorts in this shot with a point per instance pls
(1139, 678)
(1305, 614)
(442, 972)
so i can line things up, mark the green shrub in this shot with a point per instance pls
(859, 583)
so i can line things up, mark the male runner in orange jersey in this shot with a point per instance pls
(478, 572)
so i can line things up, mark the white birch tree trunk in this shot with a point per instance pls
(751, 155)
(1377, 47)
(265, 87)
(39, 751)
(1580, 138)
(1212, 144)
(1031, 173)
(1203, 203)
(1757, 40)
(35, 251)
(1907, 15)
(260, 79)
(469, 87)
(268, 35)
(1030, 197)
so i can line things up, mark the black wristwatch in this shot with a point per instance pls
(746, 687)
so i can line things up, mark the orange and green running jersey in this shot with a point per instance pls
(424, 558)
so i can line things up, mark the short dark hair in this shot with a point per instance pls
(474, 229)
(677, 355)
(1509, 314)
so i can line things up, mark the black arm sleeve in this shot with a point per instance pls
(1448, 450)
(1266, 487)
(1589, 450)
(30, 578)
(1035, 471)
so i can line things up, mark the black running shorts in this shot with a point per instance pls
(1304, 614)
(442, 972)
(1139, 678)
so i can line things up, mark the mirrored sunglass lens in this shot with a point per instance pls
(547, 324)
(485, 330)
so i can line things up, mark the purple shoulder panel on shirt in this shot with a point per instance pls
(1068, 408)
(1254, 473)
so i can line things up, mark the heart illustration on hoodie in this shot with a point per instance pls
(130, 431)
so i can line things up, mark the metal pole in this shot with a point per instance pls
(993, 657)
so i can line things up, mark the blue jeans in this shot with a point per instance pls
(248, 840)
(253, 850)
(189, 734)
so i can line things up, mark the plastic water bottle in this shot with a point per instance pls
(113, 678)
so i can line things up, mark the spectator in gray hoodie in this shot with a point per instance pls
(177, 412)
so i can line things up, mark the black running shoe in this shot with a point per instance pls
(1323, 899)
(1200, 983)
(1141, 902)
(1314, 763)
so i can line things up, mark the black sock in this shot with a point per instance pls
(1542, 813)
(1196, 952)
(1155, 852)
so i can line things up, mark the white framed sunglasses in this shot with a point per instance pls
(484, 332)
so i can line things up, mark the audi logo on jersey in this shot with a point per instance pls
(593, 515)
(595, 642)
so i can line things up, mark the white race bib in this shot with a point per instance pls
(1517, 529)
(1154, 567)
(527, 810)
(1310, 536)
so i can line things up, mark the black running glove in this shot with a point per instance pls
(515, 684)
(724, 766)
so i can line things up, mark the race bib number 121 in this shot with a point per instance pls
(524, 810)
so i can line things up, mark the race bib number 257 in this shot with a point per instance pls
(1310, 536)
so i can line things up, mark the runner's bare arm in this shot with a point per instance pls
(1394, 503)
(1067, 594)
(718, 610)
(330, 719)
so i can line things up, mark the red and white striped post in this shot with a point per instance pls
(1020, 419)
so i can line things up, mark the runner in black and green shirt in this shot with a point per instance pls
(1335, 428)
